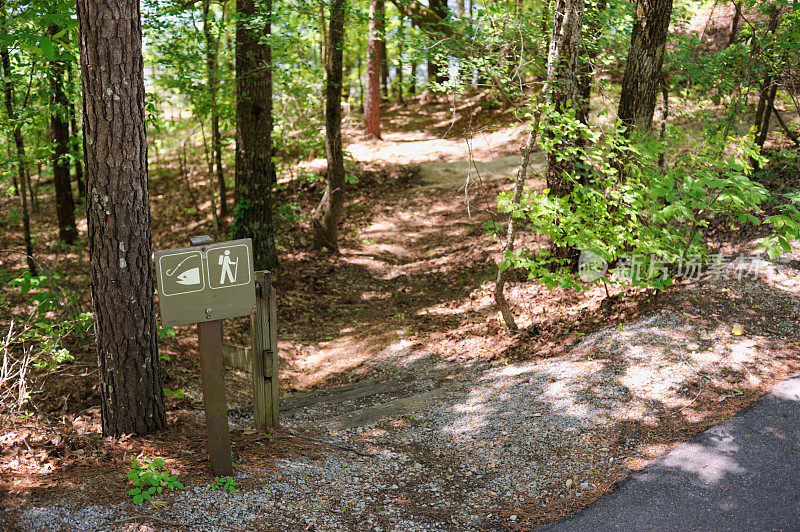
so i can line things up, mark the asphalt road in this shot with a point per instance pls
(742, 474)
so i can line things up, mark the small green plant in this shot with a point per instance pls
(180, 393)
(150, 477)
(164, 332)
(224, 484)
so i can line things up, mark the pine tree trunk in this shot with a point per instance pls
(329, 212)
(640, 84)
(255, 173)
(212, 51)
(22, 171)
(372, 105)
(118, 213)
(75, 138)
(59, 135)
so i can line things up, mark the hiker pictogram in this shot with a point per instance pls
(226, 262)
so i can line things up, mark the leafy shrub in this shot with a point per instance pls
(224, 484)
(150, 477)
(624, 202)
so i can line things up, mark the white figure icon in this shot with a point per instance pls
(226, 263)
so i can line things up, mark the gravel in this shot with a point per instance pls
(495, 448)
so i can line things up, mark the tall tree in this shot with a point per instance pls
(562, 82)
(59, 135)
(212, 53)
(329, 212)
(560, 90)
(768, 86)
(435, 73)
(19, 143)
(372, 104)
(118, 214)
(255, 172)
(75, 137)
(641, 82)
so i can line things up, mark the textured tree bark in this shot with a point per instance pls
(400, 39)
(19, 142)
(75, 139)
(329, 212)
(591, 32)
(768, 86)
(435, 72)
(212, 51)
(255, 173)
(562, 81)
(737, 19)
(384, 69)
(118, 213)
(59, 135)
(372, 103)
(640, 84)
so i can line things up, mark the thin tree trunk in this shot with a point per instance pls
(118, 213)
(435, 72)
(769, 87)
(372, 105)
(560, 91)
(737, 19)
(75, 137)
(212, 52)
(384, 70)
(14, 180)
(399, 70)
(640, 84)
(329, 212)
(22, 171)
(59, 135)
(412, 85)
(255, 172)
(768, 96)
(562, 79)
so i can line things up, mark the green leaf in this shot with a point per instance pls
(47, 48)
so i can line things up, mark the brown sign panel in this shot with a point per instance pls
(211, 282)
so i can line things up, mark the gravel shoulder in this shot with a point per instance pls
(493, 445)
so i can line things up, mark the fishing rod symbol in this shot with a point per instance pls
(188, 277)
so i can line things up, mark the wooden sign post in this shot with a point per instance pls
(204, 284)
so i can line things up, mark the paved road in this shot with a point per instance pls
(743, 474)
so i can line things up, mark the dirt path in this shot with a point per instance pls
(431, 416)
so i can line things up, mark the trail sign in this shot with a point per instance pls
(205, 283)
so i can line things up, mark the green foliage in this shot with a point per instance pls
(53, 317)
(180, 393)
(150, 477)
(623, 202)
(224, 484)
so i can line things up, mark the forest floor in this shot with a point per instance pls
(406, 403)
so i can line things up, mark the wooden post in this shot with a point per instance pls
(209, 334)
(264, 361)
